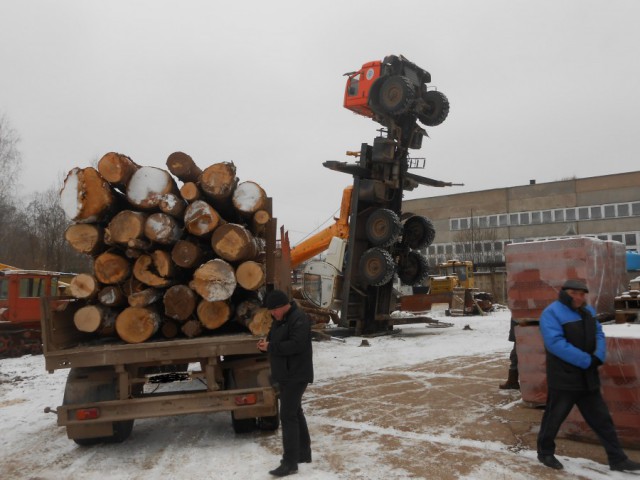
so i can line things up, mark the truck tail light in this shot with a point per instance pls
(249, 399)
(87, 413)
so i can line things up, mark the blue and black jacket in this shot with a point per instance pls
(575, 345)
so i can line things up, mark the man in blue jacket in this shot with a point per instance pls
(291, 357)
(576, 347)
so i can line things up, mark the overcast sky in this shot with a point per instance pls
(544, 89)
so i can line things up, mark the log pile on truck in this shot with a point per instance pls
(167, 260)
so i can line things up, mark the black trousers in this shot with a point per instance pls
(594, 411)
(295, 434)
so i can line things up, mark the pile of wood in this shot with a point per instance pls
(167, 259)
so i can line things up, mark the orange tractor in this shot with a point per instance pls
(20, 294)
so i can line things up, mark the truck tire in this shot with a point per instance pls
(437, 108)
(240, 425)
(376, 267)
(383, 227)
(270, 424)
(396, 95)
(413, 269)
(82, 387)
(418, 232)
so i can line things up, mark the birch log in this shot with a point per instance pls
(84, 286)
(215, 280)
(163, 229)
(86, 197)
(219, 181)
(111, 268)
(117, 169)
(147, 187)
(155, 269)
(85, 238)
(251, 275)
(213, 315)
(200, 218)
(183, 167)
(179, 302)
(95, 319)
(125, 226)
(187, 254)
(137, 324)
(112, 296)
(235, 243)
(248, 198)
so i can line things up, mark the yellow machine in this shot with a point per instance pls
(452, 274)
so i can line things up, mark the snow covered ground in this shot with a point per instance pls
(205, 447)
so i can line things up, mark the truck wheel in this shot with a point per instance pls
(84, 386)
(270, 424)
(437, 108)
(240, 425)
(383, 227)
(418, 232)
(396, 95)
(376, 267)
(413, 269)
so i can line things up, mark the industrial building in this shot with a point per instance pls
(476, 226)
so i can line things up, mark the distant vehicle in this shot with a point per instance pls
(20, 294)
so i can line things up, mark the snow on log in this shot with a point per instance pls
(137, 324)
(84, 286)
(248, 198)
(200, 218)
(163, 229)
(111, 268)
(235, 243)
(251, 275)
(112, 296)
(154, 269)
(215, 280)
(117, 168)
(85, 238)
(86, 197)
(147, 187)
(183, 167)
(95, 319)
(213, 315)
(179, 302)
(218, 181)
(125, 226)
(172, 204)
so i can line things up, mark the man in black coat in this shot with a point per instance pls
(291, 357)
(575, 347)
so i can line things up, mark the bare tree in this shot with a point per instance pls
(10, 160)
(472, 244)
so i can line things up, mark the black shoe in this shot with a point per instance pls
(305, 457)
(551, 461)
(628, 465)
(284, 469)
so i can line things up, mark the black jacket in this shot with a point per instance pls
(290, 350)
(574, 343)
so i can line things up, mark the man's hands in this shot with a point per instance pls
(263, 345)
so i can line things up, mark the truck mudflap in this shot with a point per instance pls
(245, 403)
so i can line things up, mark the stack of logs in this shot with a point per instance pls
(167, 259)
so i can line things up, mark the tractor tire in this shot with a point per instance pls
(413, 269)
(376, 267)
(270, 424)
(437, 108)
(383, 228)
(418, 232)
(396, 95)
(81, 388)
(239, 425)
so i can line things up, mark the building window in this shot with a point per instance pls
(432, 250)
(558, 215)
(454, 224)
(524, 218)
(596, 212)
(570, 214)
(616, 238)
(487, 246)
(467, 248)
(623, 209)
(635, 208)
(513, 219)
(630, 239)
(503, 220)
(482, 222)
(459, 249)
(546, 216)
(464, 223)
(440, 249)
(609, 211)
(583, 213)
(448, 249)
(536, 217)
(603, 237)
(493, 221)
(497, 246)
(477, 246)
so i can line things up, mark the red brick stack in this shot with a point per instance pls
(537, 270)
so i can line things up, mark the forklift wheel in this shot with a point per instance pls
(418, 232)
(396, 95)
(413, 269)
(383, 227)
(377, 267)
(437, 108)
